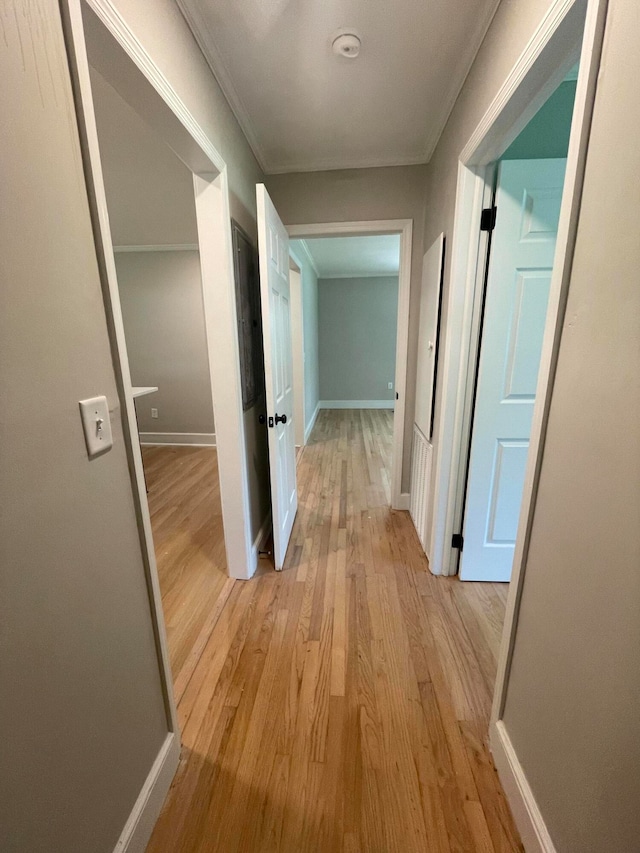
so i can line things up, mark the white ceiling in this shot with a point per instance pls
(303, 108)
(353, 257)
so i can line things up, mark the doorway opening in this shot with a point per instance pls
(99, 41)
(347, 339)
(350, 293)
(152, 216)
(526, 186)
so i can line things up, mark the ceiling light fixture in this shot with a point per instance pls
(346, 43)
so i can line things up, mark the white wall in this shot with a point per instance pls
(310, 331)
(161, 296)
(82, 712)
(573, 695)
(364, 194)
(357, 324)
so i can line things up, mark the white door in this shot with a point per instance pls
(273, 247)
(528, 198)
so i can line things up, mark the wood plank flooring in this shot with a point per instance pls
(342, 704)
(186, 518)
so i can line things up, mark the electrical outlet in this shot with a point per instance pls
(154, 413)
(390, 386)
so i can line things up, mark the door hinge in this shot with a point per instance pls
(457, 541)
(488, 218)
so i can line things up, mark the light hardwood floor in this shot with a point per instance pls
(342, 704)
(186, 518)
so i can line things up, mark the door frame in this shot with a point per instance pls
(133, 73)
(370, 228)
(297, 344)
(571, 29)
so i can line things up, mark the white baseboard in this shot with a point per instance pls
(258, 541)
(357, 404)
(178, 439)
(404, 502)
(311, 424)
(138, 828)
(533, 830)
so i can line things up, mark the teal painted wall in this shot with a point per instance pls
(547, 134)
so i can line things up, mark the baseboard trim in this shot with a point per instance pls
(259, 541)
(309, 428)
(404, 502)
(138, 828)
(178, 439)
(356, 404)
(533, 830)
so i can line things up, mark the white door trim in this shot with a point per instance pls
(297, 343)
(541, 67)
(150, 93)
(403, 227)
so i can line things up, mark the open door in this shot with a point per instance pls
(273, 248)
(528, 200)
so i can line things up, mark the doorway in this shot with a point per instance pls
(139, 82)
(351, 292)
(523, 220)
(153, 224)
(340, 264)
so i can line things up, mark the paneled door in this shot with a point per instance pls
(273, 248)
(528, 197)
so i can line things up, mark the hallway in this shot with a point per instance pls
(343, 704)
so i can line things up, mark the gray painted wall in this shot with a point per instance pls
(310, 331)
(573, 699)
(82, 712)
(161, 296)
(547, 134)
(357, 319)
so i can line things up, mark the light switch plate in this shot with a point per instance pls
(97, 425)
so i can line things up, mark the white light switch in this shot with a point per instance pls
(96, 425)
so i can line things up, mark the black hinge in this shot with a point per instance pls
(488, 218)
(457, 541)
(397, 396)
